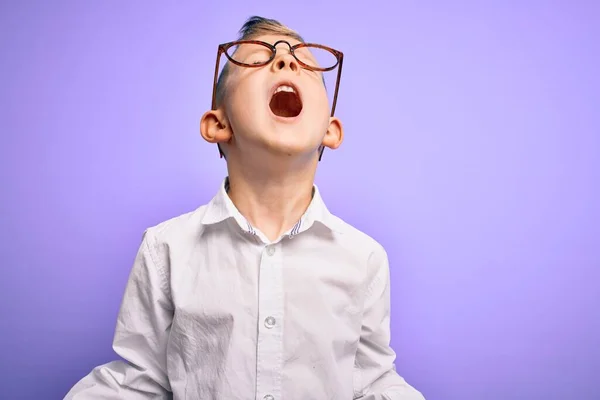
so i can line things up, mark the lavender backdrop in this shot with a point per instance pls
(472, 153)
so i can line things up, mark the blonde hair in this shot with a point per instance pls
(253, 27)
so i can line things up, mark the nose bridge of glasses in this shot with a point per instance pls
(287, 54)
(278, 49)
(277, 43)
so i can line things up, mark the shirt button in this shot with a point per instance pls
(269, 397)
(270, 322)
(270, 250)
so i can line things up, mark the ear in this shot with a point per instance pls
(214, 127)
(335, 134)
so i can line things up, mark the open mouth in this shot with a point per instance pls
(286, 101)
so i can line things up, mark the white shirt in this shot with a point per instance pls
(214, 310)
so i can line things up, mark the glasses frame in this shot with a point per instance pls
(222, 49)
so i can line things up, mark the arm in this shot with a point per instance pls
(140, 337)
(375, 373)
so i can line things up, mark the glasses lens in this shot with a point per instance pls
(316, 57)
(250, 53)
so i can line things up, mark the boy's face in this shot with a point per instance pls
(280, 107)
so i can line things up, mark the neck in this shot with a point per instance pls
(272, 196)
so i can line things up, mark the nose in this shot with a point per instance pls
(285, 60)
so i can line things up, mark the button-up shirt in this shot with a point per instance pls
(214, 310)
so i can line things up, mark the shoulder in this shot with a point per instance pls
(358, 241)
(179, 230)
(363, 250)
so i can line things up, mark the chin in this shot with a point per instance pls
(290, 147)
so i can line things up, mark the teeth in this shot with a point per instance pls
(285, 88)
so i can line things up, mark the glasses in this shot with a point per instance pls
(256, 54)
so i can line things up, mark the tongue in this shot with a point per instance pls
(285, 104)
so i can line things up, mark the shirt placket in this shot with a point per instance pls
(270, 329)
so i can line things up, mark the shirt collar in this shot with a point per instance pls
(221, 208)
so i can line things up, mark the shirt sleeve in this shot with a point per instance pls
(140, 338)
(375, 372)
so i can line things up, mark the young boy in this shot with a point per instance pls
(262, 293)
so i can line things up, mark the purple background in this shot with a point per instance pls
(472, 153)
